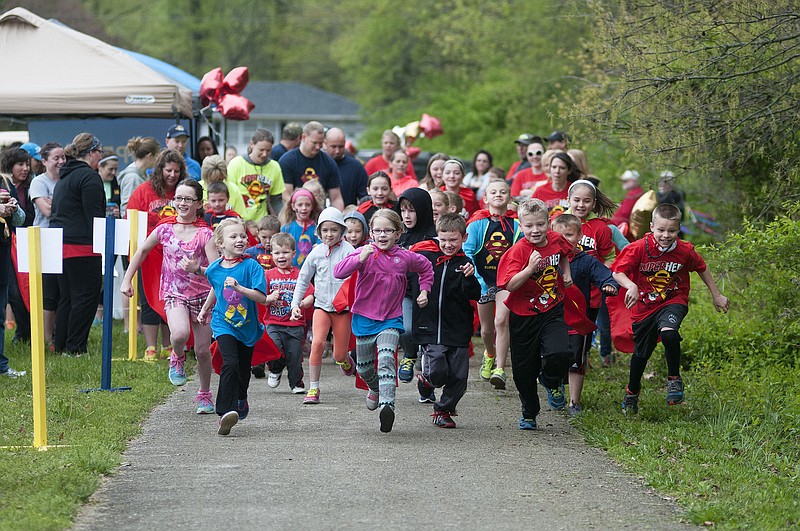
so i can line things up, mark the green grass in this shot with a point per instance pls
(730, 454)
(44, 489)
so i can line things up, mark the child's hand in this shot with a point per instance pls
(190, 264)
(631, 296)
(202, 317)
(297, 314)
(422, 300)
(365, 252)
(567, 281)
(468, 270)
(126, 288)
(721, 302)
(534, 260)
(273, 297)
(608, 289)
(232, 283)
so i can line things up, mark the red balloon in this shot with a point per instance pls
(211, 84)
(235, 107)
(413, 152)
(236, 80)
(431, 125)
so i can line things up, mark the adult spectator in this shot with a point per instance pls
(107, 168)
(352, 174)
(10, 213)
(230, 153)
(398, 167)
(205, 146)
(308, 162)
(633, 191)
(522, 142)
(144, 151)
(390, 143)
(558, 140)
(290, 139)
(36, 157)
(178, 139)
(78, 198)
(528, 179)
(256, 178)
(478, 178)
(667, 193)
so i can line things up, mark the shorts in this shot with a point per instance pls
(647, 331)
(490, 295)
(194, 305)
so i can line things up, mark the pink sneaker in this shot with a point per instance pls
(372, 400)
(312, 397)
(348, 366)
(205, 403)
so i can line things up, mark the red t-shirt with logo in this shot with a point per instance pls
(545, 288)
(555, 201)
(662, 276)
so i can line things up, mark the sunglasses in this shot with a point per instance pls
(535, 153)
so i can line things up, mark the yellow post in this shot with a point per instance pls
(37, 338)
(133, 218)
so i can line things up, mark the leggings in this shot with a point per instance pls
(384, 381)
(322, 323)
(234, 378)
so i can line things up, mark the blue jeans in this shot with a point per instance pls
(3, 302)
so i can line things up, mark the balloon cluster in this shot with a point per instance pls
(224, 92)
(427, 127)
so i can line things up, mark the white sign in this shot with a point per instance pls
(122, 231)
(52, 250)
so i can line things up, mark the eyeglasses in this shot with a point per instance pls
(535, 153)
(184, 199)
(380, 232)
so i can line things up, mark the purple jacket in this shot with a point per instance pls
(381, 282)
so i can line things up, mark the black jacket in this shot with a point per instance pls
(447, 319)
(78, 197)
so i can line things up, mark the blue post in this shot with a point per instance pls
(108, 303)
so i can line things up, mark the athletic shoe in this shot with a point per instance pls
(498, 378)
(205, 403)
(406, 371)
(372, 400)
(150, 354)
(274, 379)
(674, 390)
(426, 390)
(166, 352)
(227, 421)
(442, 419)
(486, 366)
(177, 374)
(631, 402)
(312, 396)
(387, 418)
(527, 424)
(556, 398)
(258, 371)
(242, 408)
(608, 361)
(348, 366)
(11, 373)
(574, 409)
(300, 389)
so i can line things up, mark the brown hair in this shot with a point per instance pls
(82, 145)
(667, 211)
(566, 220)
(391, 216)
(219, 188)
(167, 156)
(284, 239)
(269, 222)
(140, 147)
(451, 222)
(532, 206)
(427, 181)
(198, 192)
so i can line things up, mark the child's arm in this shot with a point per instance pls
(603, 279)
(422, 266)
(721, 302)
(632, 293)
(525, 273)
(136, 263)
(352, 262)
(252, 294)
(566, 273)
(204, 314)
(307, 272)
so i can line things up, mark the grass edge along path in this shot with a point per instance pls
(45, 489)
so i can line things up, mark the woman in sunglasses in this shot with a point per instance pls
(527, 180)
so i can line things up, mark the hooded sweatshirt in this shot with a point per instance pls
(78, 198)
(361, 219)
(424, 229)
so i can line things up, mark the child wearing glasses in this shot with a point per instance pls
(188, 246)
(378, 306)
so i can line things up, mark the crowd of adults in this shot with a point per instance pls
(68, 186)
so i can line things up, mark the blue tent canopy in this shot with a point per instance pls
(167, 70)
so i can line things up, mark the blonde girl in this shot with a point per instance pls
(300, 220)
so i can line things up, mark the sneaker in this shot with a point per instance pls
(631, 402)
(555, 397)
(166, 353)
(242, 408)
(608, 361)
(177, 374)
(372, 400)
(11, 373)
(258, 371)
(328, 349)
(406, 371)
(498, 378)
(527, 424)
(150, 354)
(486, 366)
(674, 390)
(299, 389)
(387, 418)
(442, 419)
(274, 379)
(227, 421)
(574, 409)
(348, 366)
(205, 403)
(426, 390)
(312, 396)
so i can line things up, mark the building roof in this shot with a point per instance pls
(296, 101)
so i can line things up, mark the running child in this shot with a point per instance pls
(655, 272)
(379, 189)
(453, 176)
(445, 332)
(378, 307)
(357, 229)
(441, 204)
(218, 199)
(285, 332)
(536, 272)
(239, 285)
(300, 221)
(587, 273)
(188, 246)
(319, 267)
(266, 228)
(490, 233)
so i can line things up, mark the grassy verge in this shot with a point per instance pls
(43, 490)
(730, 454)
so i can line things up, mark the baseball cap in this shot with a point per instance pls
(33, 150)
(629, 175)
(177, 130)
(525, 138)
(557, 136)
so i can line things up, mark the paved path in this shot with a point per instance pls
(289, 466)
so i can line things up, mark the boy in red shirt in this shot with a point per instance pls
(536, 272)
(655, 272)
